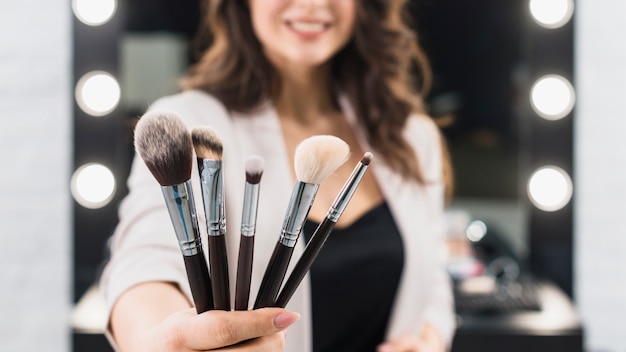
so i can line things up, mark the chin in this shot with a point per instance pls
(311, 62)
(311, 58)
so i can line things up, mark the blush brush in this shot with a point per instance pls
(209, 148)
(163, 142)
(315, 159)
(254, 171)
(321, 233)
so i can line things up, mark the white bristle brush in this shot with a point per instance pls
(319, 237)
(315, 159)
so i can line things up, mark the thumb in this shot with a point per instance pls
(230, 327)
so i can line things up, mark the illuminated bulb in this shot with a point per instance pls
(550, 188)
(94, 12)
(97, 93)
(93, 185)
(552, 97)
(551, 13)
(476, 230)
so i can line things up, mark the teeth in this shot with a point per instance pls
(309, 27)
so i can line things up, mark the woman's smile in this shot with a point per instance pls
(308, 28)
(305, 34)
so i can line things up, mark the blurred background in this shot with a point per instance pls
(527, 92)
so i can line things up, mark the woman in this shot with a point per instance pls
(277, 72)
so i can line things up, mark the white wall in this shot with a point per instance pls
(600, 155)
(35, 142)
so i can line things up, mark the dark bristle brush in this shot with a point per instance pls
(163, 142)
(254, 171)
(209, 148)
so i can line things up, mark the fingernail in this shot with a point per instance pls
(283, 320)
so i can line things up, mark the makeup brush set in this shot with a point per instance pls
(167, 148)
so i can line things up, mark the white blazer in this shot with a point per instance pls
(144, 247)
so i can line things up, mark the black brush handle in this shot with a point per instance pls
(199, 281)
(303, 265)
(274, 275)
(244, 272)
(219, 272)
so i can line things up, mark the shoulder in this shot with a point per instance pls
(422, 129)
(425, 138)
(195, 108)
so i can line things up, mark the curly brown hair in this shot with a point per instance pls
(382, 70)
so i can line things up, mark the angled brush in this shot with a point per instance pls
(208, 146)
(315, 159)
(322, 232)
(163, 142)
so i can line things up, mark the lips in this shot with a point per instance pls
(308, 27)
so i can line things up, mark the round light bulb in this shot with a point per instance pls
(550, 188)
(94, 12)
(551, 13)
(93, 185)
(97, 93)
(552, 97)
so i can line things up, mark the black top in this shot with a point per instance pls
(354, 281)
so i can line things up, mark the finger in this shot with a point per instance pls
(216, 329)
(275, 342)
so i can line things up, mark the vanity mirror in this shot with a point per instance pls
(486, 56)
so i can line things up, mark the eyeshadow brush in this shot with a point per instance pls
(320, 235)
(254, 171)
(163, 142)
(209, 148)
(315, 159)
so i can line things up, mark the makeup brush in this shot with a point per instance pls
(163, 142)
(315, 159)
(209, 148)
(322, 232)
(254, 171)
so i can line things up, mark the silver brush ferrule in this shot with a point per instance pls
(250, 207)
(181, 207)
(299, 206)
(347, 191)
(211, 180)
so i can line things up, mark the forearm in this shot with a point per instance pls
(141, 309)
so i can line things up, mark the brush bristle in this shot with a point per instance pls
(319, 156)
(367, 158)
(254, 169)
(207, 143)
(163, 142)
